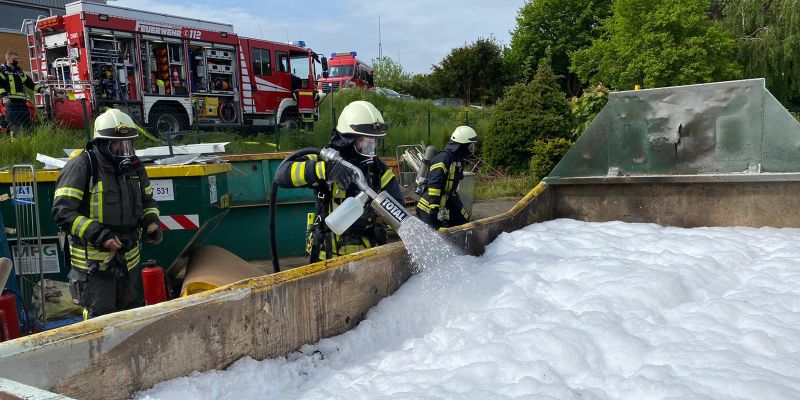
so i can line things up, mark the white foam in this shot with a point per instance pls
(563, 310)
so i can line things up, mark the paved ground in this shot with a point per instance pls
(488, 208)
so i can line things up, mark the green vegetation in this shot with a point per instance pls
(509, 186)
(407, 119)
(554, 29)
(474, 73)
(586, 107)
(547, 153)
(408, 124)
(528, 111)
(657, 43)
(767, 33)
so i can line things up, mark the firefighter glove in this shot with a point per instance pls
(112, 243)
(154, 234)
(339, 174)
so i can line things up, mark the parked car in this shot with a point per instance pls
(407, 96)
(386, 92)
(451, 102)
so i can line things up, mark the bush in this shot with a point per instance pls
(546, 154)
(528, 111)
(586, 107)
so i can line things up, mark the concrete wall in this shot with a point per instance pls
(15, 42)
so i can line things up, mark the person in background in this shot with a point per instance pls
(13, 81)
(104, 201)
(440, 206)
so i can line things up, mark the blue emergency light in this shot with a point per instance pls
(352, 53)
(299, 43)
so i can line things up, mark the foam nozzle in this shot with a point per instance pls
(390, 209)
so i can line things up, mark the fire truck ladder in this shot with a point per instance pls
(34, 41)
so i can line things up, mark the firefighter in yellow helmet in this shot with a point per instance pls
(358, 130)
(440, 205)
(104, 202)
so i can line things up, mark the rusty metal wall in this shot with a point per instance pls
(687, 205)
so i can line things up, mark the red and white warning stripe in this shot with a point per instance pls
(178, 222)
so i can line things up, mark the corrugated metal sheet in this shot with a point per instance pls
(61, 4)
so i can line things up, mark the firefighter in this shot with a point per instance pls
(356, 137)
(104, 202)
(13, 82)
(440, 206)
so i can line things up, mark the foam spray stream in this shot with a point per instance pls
(427, 249)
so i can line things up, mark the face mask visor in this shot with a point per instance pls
(122, 148)
(366, 146)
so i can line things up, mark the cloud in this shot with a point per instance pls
(421, 31)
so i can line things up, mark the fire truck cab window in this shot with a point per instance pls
(282, 61)
(340, 70)
(300, 71)
(261, 62)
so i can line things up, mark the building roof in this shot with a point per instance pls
(61, 4)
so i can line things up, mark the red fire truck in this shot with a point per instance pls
(167, 72)
(346, 70)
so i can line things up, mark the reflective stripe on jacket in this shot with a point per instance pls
(13, 81)
(364, 233)
(92, 202)
(440, 191)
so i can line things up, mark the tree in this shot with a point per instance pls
(390, 74)
(421, 87)
(475, 72)
(555, 29)
(657, 43)
(528, 111)
(768, 37)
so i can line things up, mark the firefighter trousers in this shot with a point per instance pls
(101, 293)
(17, 115)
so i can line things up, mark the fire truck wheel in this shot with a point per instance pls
(289, 119)
(167, 121)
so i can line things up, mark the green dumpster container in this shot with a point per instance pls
(188, 196)
(245, 230)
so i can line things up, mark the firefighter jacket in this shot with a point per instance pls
(13, 81)
(93, 203)
(366, 232)
(440, 204)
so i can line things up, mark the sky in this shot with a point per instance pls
(418, 32)
(558, 310)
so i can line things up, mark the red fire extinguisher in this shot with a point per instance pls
(3, 327)
(8, 305)
(153, 282)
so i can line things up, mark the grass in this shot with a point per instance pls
(409, 122)
(511, 186)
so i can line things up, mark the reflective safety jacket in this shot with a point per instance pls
(13, 81)
(93, 203)
(440, 193)
(321, 243)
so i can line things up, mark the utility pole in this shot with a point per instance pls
(380, 43)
